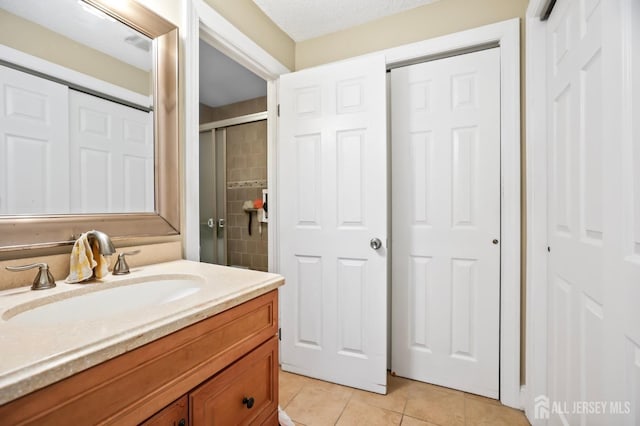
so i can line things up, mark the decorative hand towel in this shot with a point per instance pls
(85, 258)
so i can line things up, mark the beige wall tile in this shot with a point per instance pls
(246, 161)
(209, 114)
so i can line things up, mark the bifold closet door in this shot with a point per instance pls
(593, 217)
(111, 148)
(34, 144)
(446, 221)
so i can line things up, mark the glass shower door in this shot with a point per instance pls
(213, 183)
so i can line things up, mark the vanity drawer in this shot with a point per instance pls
(132, 387)
(243, 394)
(176, 414)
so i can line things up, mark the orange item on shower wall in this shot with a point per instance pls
(257, 203)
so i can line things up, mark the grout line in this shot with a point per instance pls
(344, 408)
(292, 397)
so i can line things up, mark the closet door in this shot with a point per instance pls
(111, 154)
(593, 136)
(332, 186)
(446, 221)
(34, 152)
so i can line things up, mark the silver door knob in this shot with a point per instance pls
(375, 243)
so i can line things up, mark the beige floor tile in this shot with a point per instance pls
(482, 399)
(311, 402)
(479, 413)
(434, 404)
(331, 387)
(316, 406)
(415, 386)
(394, 400)
(358, 413)
(410, 421)
(289, 386)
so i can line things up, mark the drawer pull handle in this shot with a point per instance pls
(182, 422)
(248, 401)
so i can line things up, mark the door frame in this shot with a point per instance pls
(536, 248)
(202, 20)
(505, 35)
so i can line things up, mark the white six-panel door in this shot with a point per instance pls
(446, 221)
(111, 156)
(593, 210)
(575, 203)
(622, 330)
(34, 160)
(332, 185)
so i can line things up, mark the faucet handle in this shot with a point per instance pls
(42, 281)
(121, 267)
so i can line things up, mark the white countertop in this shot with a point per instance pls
(34, 356)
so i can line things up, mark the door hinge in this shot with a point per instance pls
(280, 334)
(278, 110)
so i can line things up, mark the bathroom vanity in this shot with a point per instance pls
(202, 349)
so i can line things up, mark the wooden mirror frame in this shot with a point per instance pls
(41, 231)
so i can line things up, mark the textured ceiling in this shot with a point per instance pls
(223, 81)
(305, 19)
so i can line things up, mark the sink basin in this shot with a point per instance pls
(106, 302)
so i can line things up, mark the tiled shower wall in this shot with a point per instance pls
(246, 177)
(208, 114)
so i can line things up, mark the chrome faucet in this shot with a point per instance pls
(105, 246)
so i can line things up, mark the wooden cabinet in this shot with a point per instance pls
(176, 414)
(139, 385)
(245, 393)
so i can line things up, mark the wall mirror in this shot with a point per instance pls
(88, 121)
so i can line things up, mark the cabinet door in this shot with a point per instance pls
(176, 414)
(245, 393)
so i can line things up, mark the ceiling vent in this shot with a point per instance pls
(139, 42)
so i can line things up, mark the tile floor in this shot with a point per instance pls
(311, 402)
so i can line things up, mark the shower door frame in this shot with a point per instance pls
(214, 216)
(214, 126)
